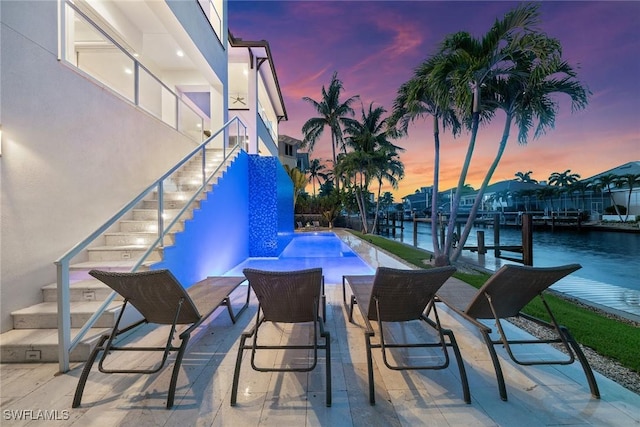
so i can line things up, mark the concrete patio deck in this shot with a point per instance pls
(538, 396)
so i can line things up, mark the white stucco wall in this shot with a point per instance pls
(73, 153)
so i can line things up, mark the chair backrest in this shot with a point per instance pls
(404, 294)
(512, 287)
(287, 296)
(155, 294)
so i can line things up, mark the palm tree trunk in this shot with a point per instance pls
(629, 199)
(613, 202)
(434, 191)
(461, 181)
(335, 160)
(375, 218)
(361, 205)
(478, 201)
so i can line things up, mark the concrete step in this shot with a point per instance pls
(187, 184)
(41, 345)
(80, 271)
(82, 290)
(124, 238)
(178, 196)
(195, 170)
(122, 253)
(194, 173)
(169, 204)
(150, 226)
(45, 315)
(152, 214)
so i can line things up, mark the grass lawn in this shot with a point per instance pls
(609, 337)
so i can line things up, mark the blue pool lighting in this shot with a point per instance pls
(311, 250)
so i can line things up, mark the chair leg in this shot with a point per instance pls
(77, 398)
(324, 308)
(236, 372)
(496, 365)
(176, 372)
(372, 392)
(353, 301)
(591, 379)
(327, 339)
(227, 302)
(344, 291)
(461, 368)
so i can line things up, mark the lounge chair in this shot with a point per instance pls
(504, 295)
(394, 295)
(160, 299)
(285, 297)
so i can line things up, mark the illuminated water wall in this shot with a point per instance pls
(270, 207)
(249, 213)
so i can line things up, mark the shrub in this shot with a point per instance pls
(611, 210)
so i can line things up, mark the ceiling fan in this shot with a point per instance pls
(239, 99)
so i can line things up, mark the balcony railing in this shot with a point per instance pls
(213, 16)
(93, 51)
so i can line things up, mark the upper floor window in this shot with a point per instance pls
(288, 150)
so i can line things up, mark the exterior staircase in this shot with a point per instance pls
(35, 334)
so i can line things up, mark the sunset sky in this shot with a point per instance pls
(375, 46)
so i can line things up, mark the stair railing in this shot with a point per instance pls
(65, 343)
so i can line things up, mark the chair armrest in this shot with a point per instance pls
(468, 318)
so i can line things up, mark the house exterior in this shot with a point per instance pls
(99, 99)
(288, 152)
(418, 203)
(516, 196)
(620, 193)
(504, 195)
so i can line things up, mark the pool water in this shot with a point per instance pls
(312, 250)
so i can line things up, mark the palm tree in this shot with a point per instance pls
(525, 177)
(356, 168)
(416, 100)
(581, 188)
(562, 181)
(389, 168)
(327, 187)
(520, 71)
(546, 193)
(373, 155)
(469, 63)
(386, 201)
(332, 114)
(526, 196)
(315, 172)
(630, 180)
(299, 182)
(462, 63)
(606, 182)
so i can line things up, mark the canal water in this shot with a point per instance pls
(610, 273)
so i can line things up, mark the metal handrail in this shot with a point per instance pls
(65, 345)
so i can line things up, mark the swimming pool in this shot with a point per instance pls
(311, 250)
